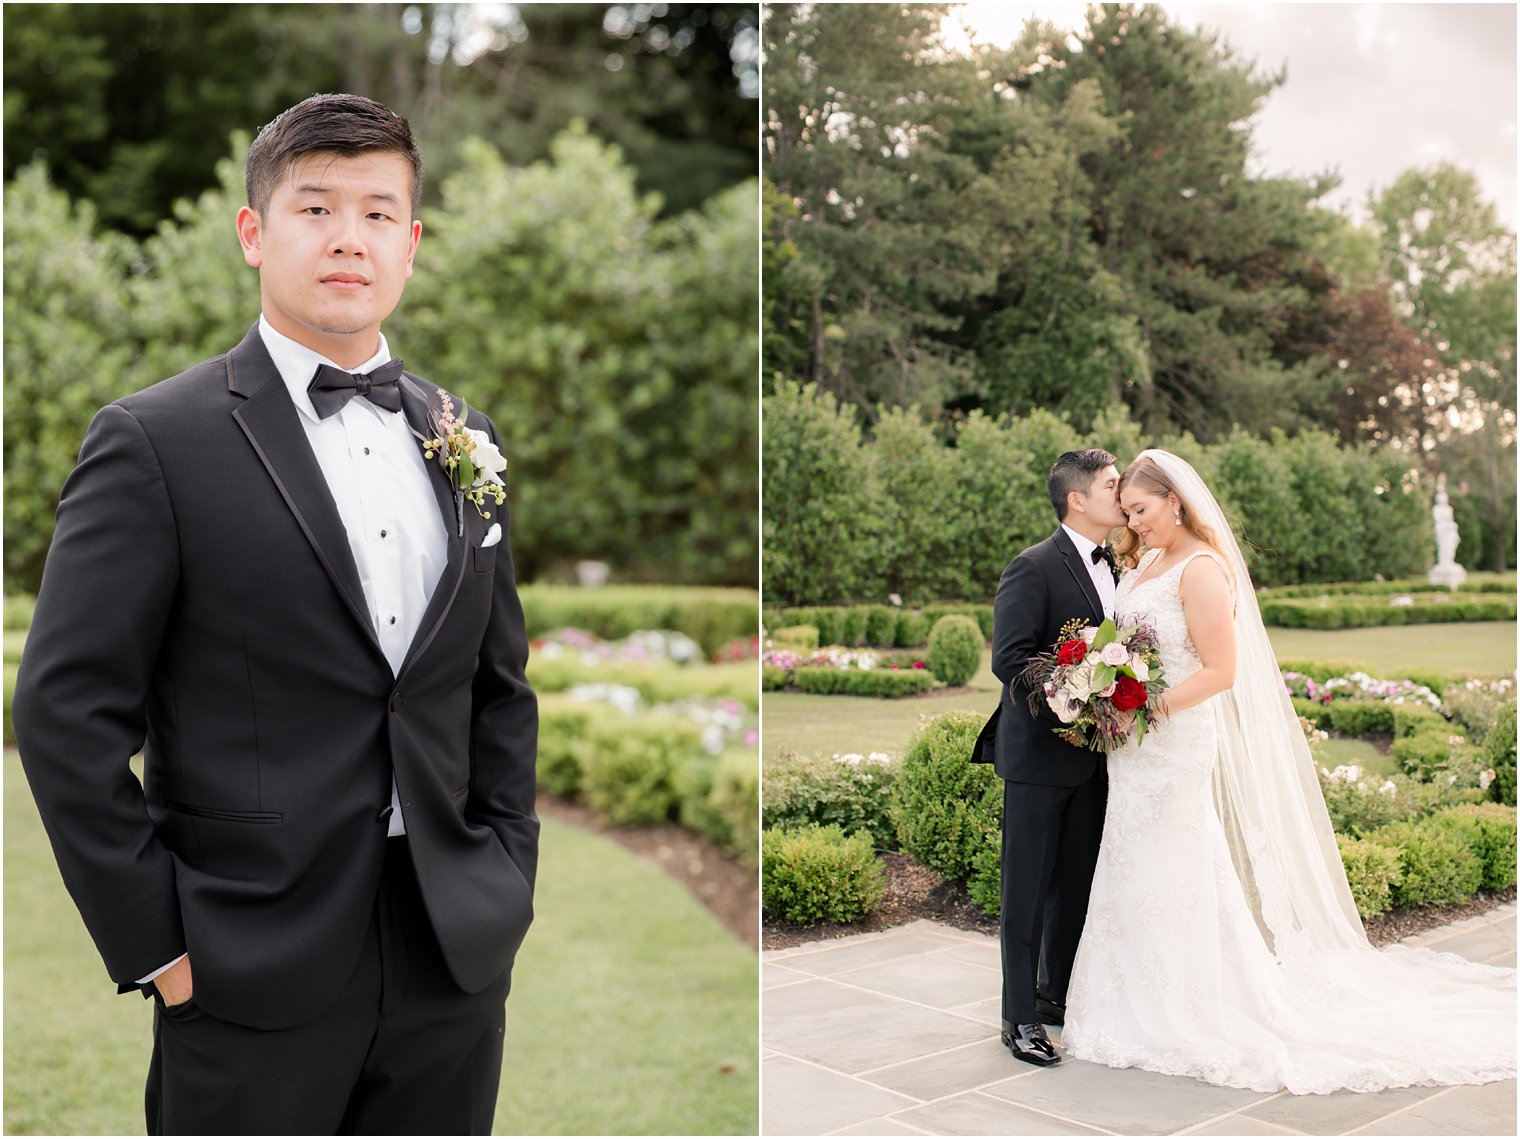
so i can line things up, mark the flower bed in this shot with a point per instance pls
(714, 618)
(662, 666)
(839, 671)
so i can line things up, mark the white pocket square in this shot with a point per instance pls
(493, 535)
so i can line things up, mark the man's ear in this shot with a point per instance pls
(1076, 500)
(250, 233)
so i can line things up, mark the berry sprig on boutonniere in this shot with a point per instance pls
(472, 462)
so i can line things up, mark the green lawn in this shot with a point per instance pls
(827, 724)
(632, 1010)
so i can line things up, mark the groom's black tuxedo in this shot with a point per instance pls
(1054, 793)
(201, 599)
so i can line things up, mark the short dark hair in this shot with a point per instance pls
(346, 125)
(1075, 470)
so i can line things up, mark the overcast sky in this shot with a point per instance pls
(1372, 89)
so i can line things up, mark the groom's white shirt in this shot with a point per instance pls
(1102, 578)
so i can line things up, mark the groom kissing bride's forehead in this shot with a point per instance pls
(324, 877)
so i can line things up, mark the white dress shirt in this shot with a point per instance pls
(1102, 576)
(379, 481)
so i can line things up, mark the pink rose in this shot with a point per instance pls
(1115, 654)
(1109, 691)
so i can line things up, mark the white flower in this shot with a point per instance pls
(1401, 600)
(487, 457)
(1141, 670)
(894, 598)
(1115, 654)
(1064, 707)
(1484, 779)
(1089, 633)
(1388, 788)
(1109, 691)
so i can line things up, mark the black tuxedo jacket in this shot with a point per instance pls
(1043, 588)
(200, 599)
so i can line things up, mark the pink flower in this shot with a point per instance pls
(1114, 654)
(1109, 691)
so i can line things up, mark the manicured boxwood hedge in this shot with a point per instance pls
(854, 793)
(1355, 613)
(884, 682)
(818, 874)
(879, 626)
(710, 616)
(1475, 583)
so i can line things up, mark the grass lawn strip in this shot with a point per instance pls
(596, 1003)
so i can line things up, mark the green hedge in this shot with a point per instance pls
(1488, 829)
(819, 874)
(710, 616)
(1371, 871)
(1499, 752)
(879, 626)
(801, 637)
(1437, 865)
(853, 793)
(956, 644)
(719, 796)
(658, 682)
(1475, 583)
(1352, 613)
(945, 809)
(884, 682)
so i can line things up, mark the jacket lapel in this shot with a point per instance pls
(415, 401)
(1079, 572)
(273, 426)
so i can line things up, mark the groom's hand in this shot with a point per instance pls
(174, 983)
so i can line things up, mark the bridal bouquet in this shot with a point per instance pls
(1094, 674)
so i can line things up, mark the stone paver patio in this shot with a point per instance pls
(896, 1033)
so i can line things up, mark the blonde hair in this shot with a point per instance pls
(1146, 474)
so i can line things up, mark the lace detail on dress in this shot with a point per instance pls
(1173, 973)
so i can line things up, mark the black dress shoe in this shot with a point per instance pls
(1030, 1044)
(1049, 1012)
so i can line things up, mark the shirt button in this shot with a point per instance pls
(382, 533)
(366, 450)
(392, 620)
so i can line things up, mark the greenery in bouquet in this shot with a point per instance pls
(1093, 676)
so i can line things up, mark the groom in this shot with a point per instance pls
(258, 579)
(1053, 792)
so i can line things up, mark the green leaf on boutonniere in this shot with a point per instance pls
(1105, 636)
(466, 470)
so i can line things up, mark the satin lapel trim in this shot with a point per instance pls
(1084, 579)
(414, 405)
(273, 426)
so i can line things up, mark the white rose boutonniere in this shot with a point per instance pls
(473, 463)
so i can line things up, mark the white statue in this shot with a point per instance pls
(1446, 571)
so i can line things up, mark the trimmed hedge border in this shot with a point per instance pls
(879, 626)
(884, 682)
(819, 874)
(1325, 613)
(658, 682)
(1475, 583)
(710, 616)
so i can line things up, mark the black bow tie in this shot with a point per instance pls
(1103, 554)
(331, 388)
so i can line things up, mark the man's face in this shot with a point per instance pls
(334, 249)
(1101, 502)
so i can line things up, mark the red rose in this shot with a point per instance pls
(1129, 694)
(1072, 652)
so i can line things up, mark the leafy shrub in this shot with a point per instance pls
(628, 769)
(1499, 752)
(1479, 703)
(1357, 613)
(819, 874)
(881, 625)
(884, 682)
(853, 625)
(852, 792)
(1475, 583)
(981, 614)
(912, 630)
(711, 617)
(719, 796)
(1360, 803)
(773, 679)
(1360, 717)
(564, 733)
(1371, 871)
(1428, 751)
(658, 682)
(944, 807)
(955, 649)
(1436, 865)
(801, 637)
(1411, 718)
(1489, 831)
(1315, 711)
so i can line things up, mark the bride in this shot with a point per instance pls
(1221, 939)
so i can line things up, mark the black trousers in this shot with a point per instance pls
(1050, 847)
(403, 1051)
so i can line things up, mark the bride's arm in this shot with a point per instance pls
(1208, 603)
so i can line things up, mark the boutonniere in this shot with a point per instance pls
(472, 462)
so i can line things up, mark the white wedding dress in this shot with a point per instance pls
(1183, 970)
